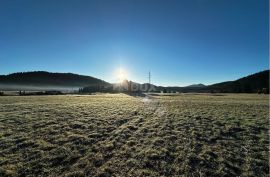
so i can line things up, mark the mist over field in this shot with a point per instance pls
(12, 87)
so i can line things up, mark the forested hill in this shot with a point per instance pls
(248, 84)
(42, 78)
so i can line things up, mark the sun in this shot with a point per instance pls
(121, 74)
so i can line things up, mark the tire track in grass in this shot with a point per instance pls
(104, 150)
(172, 136)
(100, 148)
(141, 135)
(157, 144)
(111, 148)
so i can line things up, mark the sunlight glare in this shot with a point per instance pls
(121, 74)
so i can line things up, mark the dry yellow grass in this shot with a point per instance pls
(121, 135)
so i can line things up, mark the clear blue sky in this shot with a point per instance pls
(182, 42)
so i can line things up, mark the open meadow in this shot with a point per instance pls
(122, 135)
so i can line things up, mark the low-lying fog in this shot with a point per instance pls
(12, 87)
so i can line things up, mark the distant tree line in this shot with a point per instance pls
(124, 87)
(49, 92)
(96, 88)
(263, 91)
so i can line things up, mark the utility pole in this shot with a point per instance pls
(149, 84)
(149, 77)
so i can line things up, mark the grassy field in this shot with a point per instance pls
(121, 135)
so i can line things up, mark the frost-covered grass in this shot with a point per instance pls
(121, 135)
